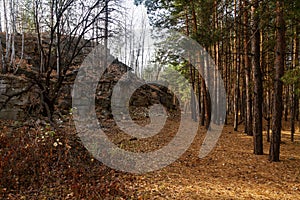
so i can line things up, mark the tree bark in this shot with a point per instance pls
(207, 100)
(216, 119)
(286, 102)
(13, 32)
(294, 96)
(7, 35)
(279, 68)
(191, 68)
(106, 33)
(3, 64)
(237, 71)
(257, 77)
(248, 124)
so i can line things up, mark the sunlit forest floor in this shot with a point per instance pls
(37, 163)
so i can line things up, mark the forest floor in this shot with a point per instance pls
(37, 163)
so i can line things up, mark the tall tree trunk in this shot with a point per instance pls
(3, 64)
(257, 77)
(207, 100)
(192, 74)
(226, 84)
(23, 44)
(192, 68)
(269, 95)
(279, 68)
(293, 113)
(236, 97)
(286, 102)
(216, 56)
(204, 104)
(143, 35)
(13, 33)
(7, 35)
(106, 33)
(294, 96)
(58, 45)
(203, 91)
(199, 96)
(237, 71)
(248, 124)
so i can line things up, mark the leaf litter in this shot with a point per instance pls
(32, 167)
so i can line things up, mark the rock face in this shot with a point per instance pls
(119, 79)
(143, 95)
(17, 97)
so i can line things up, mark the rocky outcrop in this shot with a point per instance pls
(144, 95)
(18, 97)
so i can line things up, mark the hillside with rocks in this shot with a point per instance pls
(20, 96)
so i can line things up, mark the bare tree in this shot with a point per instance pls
(67, 44)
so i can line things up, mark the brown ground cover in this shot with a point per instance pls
(37, 163)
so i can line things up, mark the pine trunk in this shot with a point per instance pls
(257, 77)
(279, 71)
(294, 96)
(248, 124)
